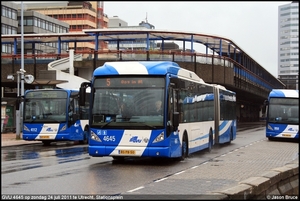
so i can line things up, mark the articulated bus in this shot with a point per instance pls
(123, 121)
(51, 115)
(282, 114)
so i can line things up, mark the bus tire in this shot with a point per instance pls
(46, 142)
(86, 137)
(118, 158)
(184, 147)
(210, 141)
(230, 136)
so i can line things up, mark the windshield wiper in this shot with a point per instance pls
(106, 124)
(143, 123)
(50, 119)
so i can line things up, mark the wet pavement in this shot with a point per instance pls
(12, 139)
(228, 171)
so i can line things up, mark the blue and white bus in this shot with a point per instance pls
(51, 115)
(123, 122)
(282, 114)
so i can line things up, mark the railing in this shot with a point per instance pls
(241, 73)
(63, 64)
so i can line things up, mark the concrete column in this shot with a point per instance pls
(71, 60)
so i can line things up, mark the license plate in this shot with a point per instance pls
(286, 135)
(44, 137)
(131, 152)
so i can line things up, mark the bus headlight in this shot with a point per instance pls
(26, 128)
(64, 128)
(270, 127)
(95, 137)
(159, 138)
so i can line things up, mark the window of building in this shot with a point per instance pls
(46, 25)
(3, 13)
(39, 23)
(9, 13)
(28, 21)
(43, 24)
(50, 26)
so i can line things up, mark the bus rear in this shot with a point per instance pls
(283, 114)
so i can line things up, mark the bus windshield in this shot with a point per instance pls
(283, 110)
(128, 102)
(45, 107)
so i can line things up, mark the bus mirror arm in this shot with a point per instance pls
(175, 120)
(266, 102)
(82, 92)
(75, 117)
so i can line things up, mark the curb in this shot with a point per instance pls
(278, 183)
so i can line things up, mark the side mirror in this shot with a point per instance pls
(266, 102)
(82, 94)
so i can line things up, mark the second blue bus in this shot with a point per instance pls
(282, 114)
(51, 115)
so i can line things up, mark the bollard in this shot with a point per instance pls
(3, 114)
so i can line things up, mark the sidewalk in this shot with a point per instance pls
(10, 139)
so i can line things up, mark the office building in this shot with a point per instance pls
(79, 15)
(9, 23)
(33, 23)
(135, 44)
(288, 44)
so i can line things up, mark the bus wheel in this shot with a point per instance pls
(118, 158)
(86, 138)
(184, 147)
(231, 136)
(210, 141)
(46, 142)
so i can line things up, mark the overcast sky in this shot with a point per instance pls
(253, 26)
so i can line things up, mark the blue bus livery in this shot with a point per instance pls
(282, 114)
(123, 121)
(51, 115)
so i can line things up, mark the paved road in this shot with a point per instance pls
(213, 179)
(217, 175)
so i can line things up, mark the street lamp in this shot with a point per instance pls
(28, 79)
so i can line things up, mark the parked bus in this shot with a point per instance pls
(282, 114)
(51, 115)
(124, 122)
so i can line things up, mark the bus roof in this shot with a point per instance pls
(51, 89)
(289, 93)
(145, 68)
